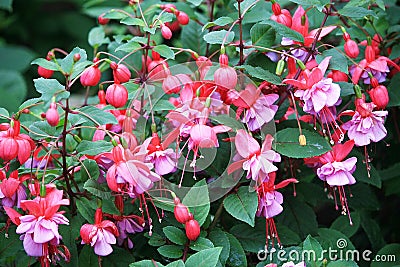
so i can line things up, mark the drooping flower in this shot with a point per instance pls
(12, 189)
(256, 160)
(100, 235)
(39, 228)
(225, 75)
(259, 108)
(117, 95)
(121, 72)
(128, 225)
(164, 160)
(366, 125)
(281, 16)
(91, 76)
(192, 229)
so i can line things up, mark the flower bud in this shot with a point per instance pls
(192, 228)
(102, 20)
(379, 96)
(223, 60)
(346, 36)
(351, 48)
(171, 85)
(77, 57)
(166, 32)
(90, 76)
(121, 72)
(369, 53)
(276, 8)
(226, 76)
(374, 81)
(302, 140)
(155, 55)
(279, 67)
(117, 95)
(45, 73)
(181, 213)
(183, 18)
(52, 116)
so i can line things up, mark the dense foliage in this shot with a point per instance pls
(200, 133)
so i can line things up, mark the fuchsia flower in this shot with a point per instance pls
(164, 160)
(255, 160)
(259, 108)
(129, 225)
(12, 191)
(291, 264)
(316, 91)
(100, 235)
(39, 228)
(366, 125)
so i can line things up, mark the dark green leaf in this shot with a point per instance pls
(346, 88)
(115, 14)
(388, 256)
(306, 3)
(219, 239)
(97, 37)
(170, 251)
(198, 201)
(69, 66)
(89, 169)
(12, 89)
(50, 65)
(311, 245)
(356, 12)
(361, 174)
(41, 130)
(28, 103)
(284, 31)
(252, 239)
(227, 120)
(86, 208)
(70, 236)
(15, 58)
(162, 105)
(118, 258)
(99, 117)
(178, 263)
(128, 47)
(87, 257)
(4, 112)
(337, 62)
(330, 238)
(287, 143)
(156, 240)
(221, 21)
(164, 51)
(394, 93)
(242, 205)
(97, 189)
(50, 88)
(6, 4)
(343, 225)
(93, 148)
(260, 73)
(201, 243)
(262, 35)
(219, 37)
(237, 257)
(195, 2)
(373, 231)
(204, 258)
(192, 37)
(341, 263)
(146, 263)
(175, 235)
(133, 21)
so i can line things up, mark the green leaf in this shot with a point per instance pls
(133, 21)
(89, 169)
(175, 235)
(330, 238)
(128, 47)
(242, 205)
(50, 65)
(195, 2)
(170, 251)
(306, 3)
(204, 258)
(49, 88)
(87, 257)
(284, 31)
(389, 256)
(12, 89)
(341, 263)
(15, 58)
(97, 37)
(342, 224)
(346, 89)
(252, 239)
(372, 230)
(217, 37)
(221, 21)
(287, 143)
(260, 73)
(227, 120)
(165, 51)
(156, 240)
(356, 12)
(237, 257)
(28, 103)
(99, 117)
(201, 243)
(178, 263)
(146, 263)
(162, 105)
(337, 62)
(86, 208)
(394, 93)
(361, 174)
(69, 66)
(93, 148)
(97, 189)
(198, 201)
(219, 239)
(192, 37)
(41, 130)
(4, 112)
(70, 236)
(262, 35)
(118, 258)
(311, 245)
(115, 14)
(6, 4)
(10, 244)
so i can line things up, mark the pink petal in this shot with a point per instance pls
(32, 249)
(245, 144)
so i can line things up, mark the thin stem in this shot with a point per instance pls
(241, 46)
(217, 215)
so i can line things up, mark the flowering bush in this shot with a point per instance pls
(199, 137)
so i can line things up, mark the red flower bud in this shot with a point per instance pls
(369, 53)
(90, 76)
(374, 82)
(379, 96)
(102, 20)
(52, 116)
(121, 72)
(166, 32)
(155, 55)
(346, 36)
(181, 213)
(192, 228)
(223, 60)
(117, 95)
(276, 8)
(226, 76)
(45, 73)
(183, 18)
(351, 48)
(174, 26)
(77, 57)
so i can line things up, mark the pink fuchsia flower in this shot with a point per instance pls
(14, 144)
(258, 162)
(12, 191)
(129, 225)
(100, 235)
(292, 264)
(91, 76)
(335, 170)
(378, 68)
(281, 16)
(366, 125)
(225, 76)
(316, 91)
(259, 108)
(40, 226)
(164, 160)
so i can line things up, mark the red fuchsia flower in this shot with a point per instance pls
(100, 235)
(12, 189)
(350, 46)
(117, 95)
(173, 84)
(91, 76)
(14, 144)
(102, 20)
(121, 72)
(225, 76)
(338, 76)
(164, 160)
(259, 108)
(166, 32)
(45, 73)
(192, 229)
(379, 96)
(182, 18)
(281, 16)
(366, 125)
(157, 68)
(39, 228)
(258, 162)
(181, 212)
(52, 116)
(316, 91)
